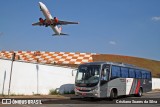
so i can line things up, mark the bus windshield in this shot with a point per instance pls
(88, 74)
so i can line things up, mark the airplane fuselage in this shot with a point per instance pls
(49, 18)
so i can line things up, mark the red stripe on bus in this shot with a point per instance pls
(137, 87)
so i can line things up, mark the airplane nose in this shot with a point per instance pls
(40, 3)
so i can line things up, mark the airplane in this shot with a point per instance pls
(50, 21)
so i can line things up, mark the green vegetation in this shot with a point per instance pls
(53, 92)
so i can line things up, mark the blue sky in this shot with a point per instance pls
(123, 27)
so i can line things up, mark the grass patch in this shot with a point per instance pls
(53, 92)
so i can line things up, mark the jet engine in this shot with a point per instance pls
(55, 20)
(41, 20)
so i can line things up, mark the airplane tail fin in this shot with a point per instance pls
(64, 34)
(60, 32)
(60, 29)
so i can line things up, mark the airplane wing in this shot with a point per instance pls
(37, 23)
(60, 22)
(53, 22)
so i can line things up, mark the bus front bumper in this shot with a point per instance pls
(86, 94)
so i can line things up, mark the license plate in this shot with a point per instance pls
(83, 94)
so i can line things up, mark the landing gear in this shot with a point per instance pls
(46, 25)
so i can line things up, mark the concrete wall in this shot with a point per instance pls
(155, 83)
(24, 78)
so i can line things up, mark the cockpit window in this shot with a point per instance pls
(40, 7)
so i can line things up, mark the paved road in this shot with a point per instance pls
(78, 102)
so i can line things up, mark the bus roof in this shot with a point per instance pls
(115, 63)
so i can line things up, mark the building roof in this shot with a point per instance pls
(49, 57)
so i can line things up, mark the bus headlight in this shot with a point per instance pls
(96, 94)
(95, 90)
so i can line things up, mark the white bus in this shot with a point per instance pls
(108, 79)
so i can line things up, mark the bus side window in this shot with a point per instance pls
(115, 71)
(124, 72)
(149, 75)
(138, 73)
(131, 73)
(144, 74)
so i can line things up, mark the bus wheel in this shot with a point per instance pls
(140, 92)
(113, 94)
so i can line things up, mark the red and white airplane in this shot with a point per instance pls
(52, 22)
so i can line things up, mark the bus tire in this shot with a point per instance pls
(113, 94)
(140, 92)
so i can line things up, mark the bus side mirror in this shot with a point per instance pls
(105, 70)
(73, 71)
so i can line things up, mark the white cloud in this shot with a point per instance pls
(156, 18)
(112, 43)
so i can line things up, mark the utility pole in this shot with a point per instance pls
(37, 67)
(13, 59)
(4, 83)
